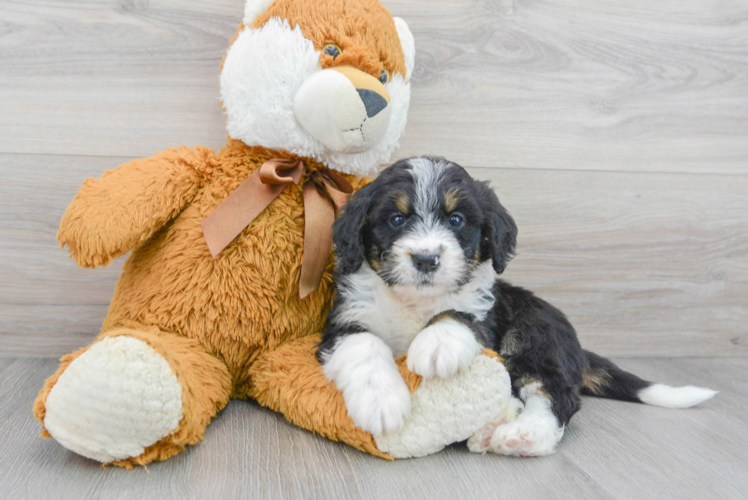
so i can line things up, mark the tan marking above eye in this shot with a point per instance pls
(451, 199)
(402, 201)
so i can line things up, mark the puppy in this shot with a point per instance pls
(418, 252)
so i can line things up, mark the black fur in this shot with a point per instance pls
(535, 339)
(499, 229)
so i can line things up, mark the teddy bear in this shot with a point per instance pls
(230, 276)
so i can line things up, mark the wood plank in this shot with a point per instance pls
(118, 78)
(48, 306)
(626, 86)
(647, 452)
(584, 85)
(643, 264)
(611, 450)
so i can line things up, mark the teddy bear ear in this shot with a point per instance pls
(254, 8)
(408, 44)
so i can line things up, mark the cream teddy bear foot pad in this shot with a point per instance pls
(116, 399)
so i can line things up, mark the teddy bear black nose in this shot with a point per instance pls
(426, 263)
(373, 102)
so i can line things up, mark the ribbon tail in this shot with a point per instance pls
(319, 216)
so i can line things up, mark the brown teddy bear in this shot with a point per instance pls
(230, 273)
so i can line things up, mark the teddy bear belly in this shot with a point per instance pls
(243, 301)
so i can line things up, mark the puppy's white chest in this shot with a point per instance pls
(398, 314)
(396, 319)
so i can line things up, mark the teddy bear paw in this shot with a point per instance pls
(114, 400)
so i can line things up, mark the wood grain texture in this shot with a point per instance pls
(627, 85)
(618, 85)
(643, 264)
(611, 450)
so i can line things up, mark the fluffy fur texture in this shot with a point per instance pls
(290, 37)
(233, 326)
(254, 8)
(418, 251)
(364, 370)
(442, 349)
(674, 397)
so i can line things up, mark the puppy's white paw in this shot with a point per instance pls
(480, 441)
(363, 369)
(526, 438)
(442, 349)
(380, 407)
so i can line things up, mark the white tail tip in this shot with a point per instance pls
(674, 397)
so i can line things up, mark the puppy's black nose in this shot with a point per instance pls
(373, 102)
(426, 263)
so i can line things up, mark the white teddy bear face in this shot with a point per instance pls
(276, 94)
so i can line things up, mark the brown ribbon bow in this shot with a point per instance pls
(323, 192)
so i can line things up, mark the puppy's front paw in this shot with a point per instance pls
(377, 397)
(381, 405)
(442, 349)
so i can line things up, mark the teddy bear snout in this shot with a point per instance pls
(345, 109)
(373, 102)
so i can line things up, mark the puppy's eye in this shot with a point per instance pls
(331, 50)
(384, 77)
(397, 220)
(456, 220)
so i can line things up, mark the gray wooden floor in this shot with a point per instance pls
(611, 450)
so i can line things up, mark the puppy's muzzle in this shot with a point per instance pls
(426, 263)
(345, 109)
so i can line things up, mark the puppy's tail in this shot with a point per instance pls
(604, 379)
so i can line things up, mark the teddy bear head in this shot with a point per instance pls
(328, 80)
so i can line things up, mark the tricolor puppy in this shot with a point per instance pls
(418, 254)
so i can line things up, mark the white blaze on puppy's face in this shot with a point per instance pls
(428, 236)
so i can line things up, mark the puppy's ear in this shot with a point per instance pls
(499, 229)
(347, 232)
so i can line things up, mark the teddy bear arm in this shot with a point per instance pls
(113, 214)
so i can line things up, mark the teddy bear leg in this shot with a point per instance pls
(133, 396)
(290, 380)
(444, 411)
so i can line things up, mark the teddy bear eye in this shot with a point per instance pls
(331, 50)
(384, 77)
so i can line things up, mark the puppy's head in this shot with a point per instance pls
(424, 222)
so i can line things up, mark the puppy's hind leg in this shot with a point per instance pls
(480, 442)
(536, 431)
